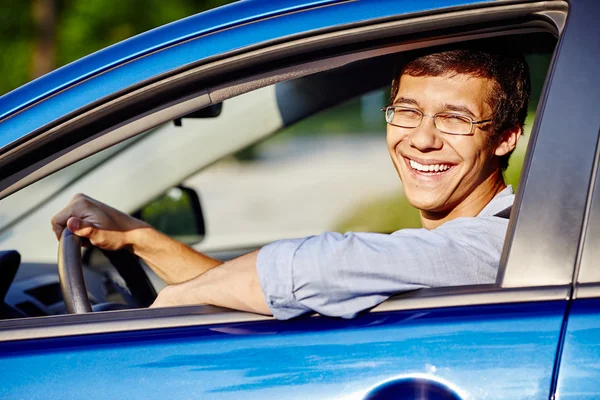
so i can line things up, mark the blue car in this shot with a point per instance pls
(113, 125)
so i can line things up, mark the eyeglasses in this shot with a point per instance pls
(454, 124)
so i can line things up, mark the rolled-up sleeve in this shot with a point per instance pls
(343, 274)
(274, 265)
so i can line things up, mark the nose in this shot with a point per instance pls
(426, 137)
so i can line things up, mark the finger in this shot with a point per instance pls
(56, 229)
(81, 227)
(76, 208)
(59, 221)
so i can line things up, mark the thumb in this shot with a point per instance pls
(80, 227)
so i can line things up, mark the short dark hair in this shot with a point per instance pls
(497, 60)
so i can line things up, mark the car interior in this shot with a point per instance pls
(244, 113)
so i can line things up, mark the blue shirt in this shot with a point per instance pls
(342, 274)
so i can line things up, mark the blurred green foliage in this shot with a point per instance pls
(384, 215)
(82, 27)
(16, 35)
(173, 214)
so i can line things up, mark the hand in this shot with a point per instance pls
(101, 225)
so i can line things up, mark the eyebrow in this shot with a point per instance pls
(406, 100)
(450, 107)
(463, 109)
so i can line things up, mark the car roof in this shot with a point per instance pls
(229, 17)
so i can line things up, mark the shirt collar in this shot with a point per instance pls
(501, 201)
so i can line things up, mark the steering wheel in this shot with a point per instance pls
(72, 284)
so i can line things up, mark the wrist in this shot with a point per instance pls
(140, 238)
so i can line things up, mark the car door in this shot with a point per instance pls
(579, 369)
(488, 341)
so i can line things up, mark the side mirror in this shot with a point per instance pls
(177, 214)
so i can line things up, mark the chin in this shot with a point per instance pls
(425, 201)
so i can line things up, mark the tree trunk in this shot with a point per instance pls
(44, 17)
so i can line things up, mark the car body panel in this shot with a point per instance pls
(579, 376)
(492, 352)
(109, 71)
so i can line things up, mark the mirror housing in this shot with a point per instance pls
(176, 213)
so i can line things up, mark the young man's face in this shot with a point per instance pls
(464, 163)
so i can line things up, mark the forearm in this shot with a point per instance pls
(172, 261)
(111, 229)
(233, 285)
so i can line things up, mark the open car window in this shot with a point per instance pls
(328, 172)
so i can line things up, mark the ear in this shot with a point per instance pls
(508, 141)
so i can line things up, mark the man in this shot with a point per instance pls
(456, 116)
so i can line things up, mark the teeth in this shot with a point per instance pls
(430, 167)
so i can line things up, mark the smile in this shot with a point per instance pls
(428, 169)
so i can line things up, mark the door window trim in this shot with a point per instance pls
(178, 317)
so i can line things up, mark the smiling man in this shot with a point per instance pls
(478, 101)
(455, 117)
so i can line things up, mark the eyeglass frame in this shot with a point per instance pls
(384, 109)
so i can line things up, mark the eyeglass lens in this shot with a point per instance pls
(449, 123)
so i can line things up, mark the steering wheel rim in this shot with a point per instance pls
(70, 274)
(72, 282)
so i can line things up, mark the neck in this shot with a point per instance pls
(470, 206)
